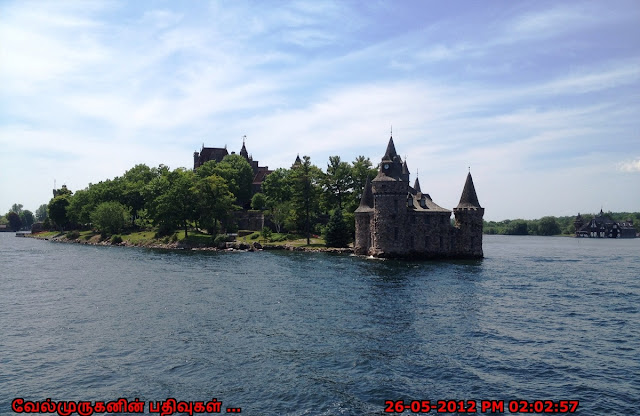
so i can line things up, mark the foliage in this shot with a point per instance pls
(259, 201)
(73, 235)
(213, 201)
(548, 226)
(41, 212)
(14, 220)
(237, 173)
(220, 240)
(116, 239)
(170, 200)
(305, 192)
(266, 233)
(337, 233)
(57, 209)
(110, 217)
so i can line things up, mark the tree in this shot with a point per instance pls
(17, 208)
(110, 217)
(27, 218)
(171, 200)
(337, 234)
(58, 210)
(517, 227)
(258, 201)
(134, 180)
(214, 201)
(338, 182)
(236, 171)
(305, 192)
(266, 233)
(548, 226)
(41, 212)
(14, 220)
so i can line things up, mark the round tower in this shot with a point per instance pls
(389, 191)
(468, 216)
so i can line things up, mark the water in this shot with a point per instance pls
(319, 334)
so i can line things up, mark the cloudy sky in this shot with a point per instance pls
(540, 99)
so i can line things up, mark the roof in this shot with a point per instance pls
(416, 185)
(469, 199)
(213, 153)
(366, 202)
(427, 204)
(390, 153)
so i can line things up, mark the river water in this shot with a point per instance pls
(540, 318)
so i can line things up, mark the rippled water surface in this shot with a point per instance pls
(300, 333)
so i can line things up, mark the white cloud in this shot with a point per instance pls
(630, 166)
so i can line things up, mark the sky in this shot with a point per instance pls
(540, 99)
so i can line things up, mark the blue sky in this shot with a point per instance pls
(540, 99)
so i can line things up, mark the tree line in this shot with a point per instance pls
(301, 199)
(550, 225)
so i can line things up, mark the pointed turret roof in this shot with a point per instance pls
(405, 168)
(243, 151)
(416, 186)
(391, 150)
(469, 199)
(366, 202)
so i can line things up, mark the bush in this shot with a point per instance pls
(73, 235)
(254, 236)
(110, 217)
(220, 240)
(116, 239)
(174, 237)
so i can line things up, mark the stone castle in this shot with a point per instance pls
(398, 220)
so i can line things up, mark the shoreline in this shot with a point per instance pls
(229, 246)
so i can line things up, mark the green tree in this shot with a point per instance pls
(134, 181)
(305, 188)
(14, 220)
(214, 202)
(41, 212)
(110, 217)
(548, 226)
(58, 210)
(517, 227)
(258, 201)
(236, 171)
(17, 208)
(337, 233)
(338, 182)
(27, 218)
(266, 233)
(171, 201)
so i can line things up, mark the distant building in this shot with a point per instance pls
(397, 220)
(602, 226)
(218, 153)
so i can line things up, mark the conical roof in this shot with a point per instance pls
(469, 199)
(391, 150)
(366, 202)
(416, 186)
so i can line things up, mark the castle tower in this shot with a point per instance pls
(363, 217)
(468, 216)
(578, 223)
(243, 151)
(389, 189)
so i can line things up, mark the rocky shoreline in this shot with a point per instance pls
(229, 246)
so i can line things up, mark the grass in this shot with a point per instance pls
(195, 238)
